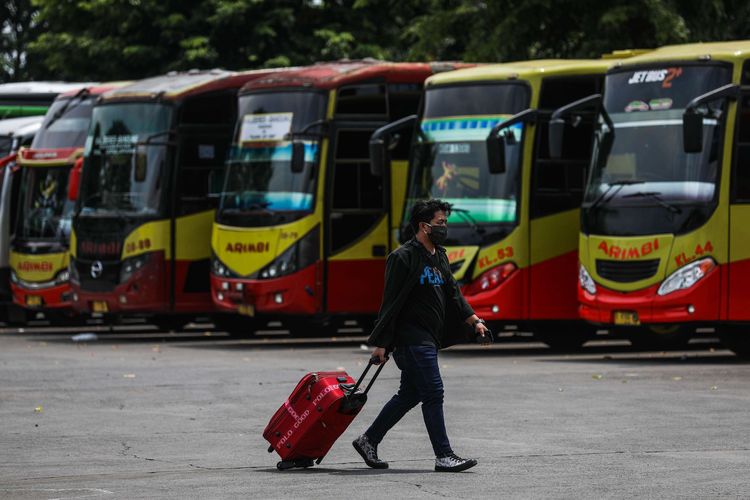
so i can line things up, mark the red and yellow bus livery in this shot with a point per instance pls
(482, 146)
(664, 244)
(302, 229)
(50, 169)
(153, 167)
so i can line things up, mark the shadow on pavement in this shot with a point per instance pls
(348, 472)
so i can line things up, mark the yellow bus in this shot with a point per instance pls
(482, 146)
(664, 244)
(301, 231)
(153, 158)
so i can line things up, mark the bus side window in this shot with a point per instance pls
(741, 170)
(363, 101)
(557, 184)
(206, 127)
(357, 196)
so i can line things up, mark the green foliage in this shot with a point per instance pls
(125, 39)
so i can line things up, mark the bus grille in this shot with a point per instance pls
(626, 271)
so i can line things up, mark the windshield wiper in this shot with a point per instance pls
(67, 106)
(115, 210)
(619, 185)
(654, 195)
(262, 206)
(466, 215)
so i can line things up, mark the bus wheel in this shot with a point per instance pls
(658, 337)
(310, 328)
(736, 340)
(564, 338)
(17, 316)
(169, 323)
(236, 325)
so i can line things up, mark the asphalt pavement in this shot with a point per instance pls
(133, 415)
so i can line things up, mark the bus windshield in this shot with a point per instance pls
(642, 162)
(260, 187)
(65, 125)
(449, 159)
(646, 144)
(126, 152)
(44, 209)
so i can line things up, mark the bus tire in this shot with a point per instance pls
(309, 327)
(236, 325)
(563, 338)
(658, 337)
(169, 322)
(737, 340)
(17, 316)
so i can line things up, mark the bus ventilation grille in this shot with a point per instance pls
(626, 271)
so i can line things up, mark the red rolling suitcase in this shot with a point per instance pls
(317, 412)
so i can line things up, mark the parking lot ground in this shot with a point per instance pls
(180, 416)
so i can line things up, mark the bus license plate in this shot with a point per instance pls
(246, 309)
(33, 300)
(99, 306)
(629, 318)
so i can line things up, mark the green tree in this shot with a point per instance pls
(508, 30)
(18, 26)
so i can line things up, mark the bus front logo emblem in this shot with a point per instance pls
(96, 269)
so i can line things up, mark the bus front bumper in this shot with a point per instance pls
(292, 294)
(58, 297)
(699, 303)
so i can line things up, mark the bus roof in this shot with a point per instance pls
(97, 89)
(732, 51)
(176, 85)
(50, 88)
(335, 74)
(523, 70)
(20, 126)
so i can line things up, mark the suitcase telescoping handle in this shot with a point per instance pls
(373, 361)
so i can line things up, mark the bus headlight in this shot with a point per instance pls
(585, 280)
(686, 276)
(62, 277)
(301, 254)
(130, 266)
(220, 269)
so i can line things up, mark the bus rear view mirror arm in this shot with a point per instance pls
(692, 118)
(496, 143)
(557, 122)
(384, 140)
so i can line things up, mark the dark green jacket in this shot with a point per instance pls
(402, 270)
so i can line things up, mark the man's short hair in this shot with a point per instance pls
(424, 211)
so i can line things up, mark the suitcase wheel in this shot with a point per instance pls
(293, 464)
(270, 449)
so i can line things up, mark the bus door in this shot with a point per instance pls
(556, 195)
(739, 216)
(356, 223)
(204, 137)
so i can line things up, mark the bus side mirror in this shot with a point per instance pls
(298, 157)
(74, 179)
(495, 153)
(378, 156)
(556, 132)
(692, 131)
(383, 140)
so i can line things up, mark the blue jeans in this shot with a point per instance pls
(420, 381)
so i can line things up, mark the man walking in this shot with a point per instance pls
(422, 311)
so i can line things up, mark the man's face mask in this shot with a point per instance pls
(438, 234)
